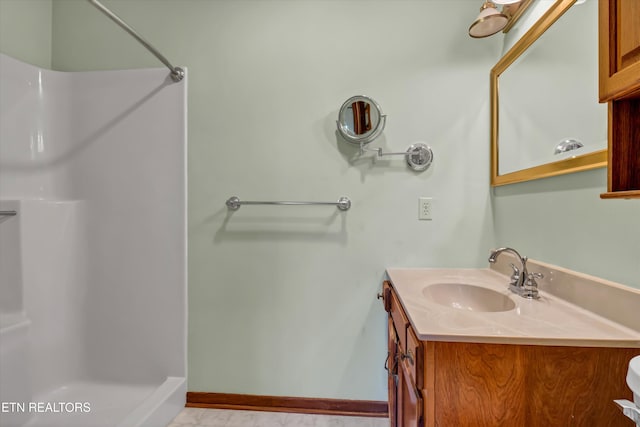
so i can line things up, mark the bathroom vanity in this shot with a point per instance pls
(465, 351)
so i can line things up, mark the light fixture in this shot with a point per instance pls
(568, 144)
(489, 21)
(506, 1)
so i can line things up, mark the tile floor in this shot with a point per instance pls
(196, 417)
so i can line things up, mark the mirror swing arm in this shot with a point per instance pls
(419, 156)
(360, 121)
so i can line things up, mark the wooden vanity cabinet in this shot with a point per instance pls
(619, 81)
(490, 385)
(404, 366)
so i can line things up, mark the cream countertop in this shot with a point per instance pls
(546, 321)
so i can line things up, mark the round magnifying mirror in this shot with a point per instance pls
(360, 120)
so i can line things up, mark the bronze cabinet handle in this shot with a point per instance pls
(407, 355)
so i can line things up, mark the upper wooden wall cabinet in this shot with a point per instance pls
(619, 44)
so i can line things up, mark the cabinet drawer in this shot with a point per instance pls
(399, 320)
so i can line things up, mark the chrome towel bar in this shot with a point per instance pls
(8, 213)
(234, 203)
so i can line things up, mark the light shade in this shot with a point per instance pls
(489, 21)
(506, 1)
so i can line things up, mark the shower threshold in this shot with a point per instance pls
(98, 404)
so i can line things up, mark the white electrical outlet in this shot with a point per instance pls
(425, 208)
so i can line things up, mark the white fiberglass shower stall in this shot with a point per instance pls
(92, 247)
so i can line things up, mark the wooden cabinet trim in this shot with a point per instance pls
(604, 54)
(386, 295)
(628, 79)
(632, 194)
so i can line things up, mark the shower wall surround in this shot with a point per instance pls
(94, 165)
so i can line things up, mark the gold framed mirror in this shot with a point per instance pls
(504, 170)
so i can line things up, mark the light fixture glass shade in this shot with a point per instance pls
(489, 21)
(506, 1)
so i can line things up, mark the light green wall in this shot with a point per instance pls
(563, 221)
(25, 30)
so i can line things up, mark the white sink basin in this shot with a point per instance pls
(468, 297)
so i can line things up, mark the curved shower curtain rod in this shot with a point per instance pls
(177, 73)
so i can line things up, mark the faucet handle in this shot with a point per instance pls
(515, 276)
(516, 270)
(534, 276)
(531, 286)
(530, 281)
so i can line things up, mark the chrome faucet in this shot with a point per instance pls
(521, 281)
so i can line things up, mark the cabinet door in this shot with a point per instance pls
(392, 373)
(619, 32)
(409, 402)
